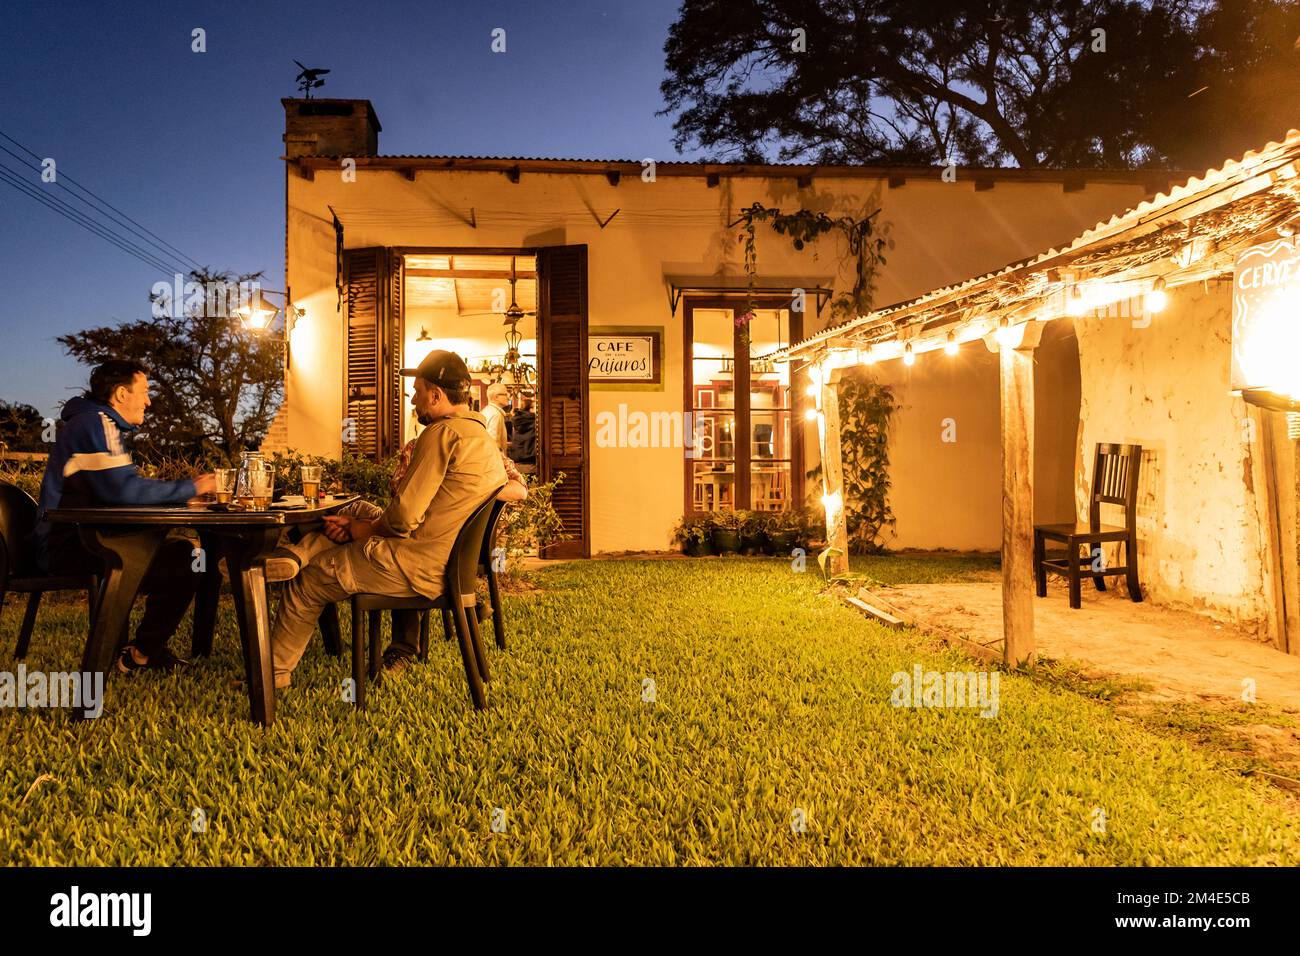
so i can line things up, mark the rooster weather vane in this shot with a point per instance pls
(309, 80)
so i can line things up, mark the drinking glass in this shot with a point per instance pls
(225, 484)
(311, 484)
(262, 480)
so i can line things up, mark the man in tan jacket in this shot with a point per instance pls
(402, 552)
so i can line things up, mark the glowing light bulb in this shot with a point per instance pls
(812, 391)
(1076, 305)
(909, 358)
(1157, 298)
(870, 357)
(1006, 336)
(951, 346)
(810, 414)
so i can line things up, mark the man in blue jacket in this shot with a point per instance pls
(90, 466)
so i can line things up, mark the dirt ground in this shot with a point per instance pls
(1180, 655)
(1175, 662)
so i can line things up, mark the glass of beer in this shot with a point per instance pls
(225, 484)
(263, 485)
(311, 484)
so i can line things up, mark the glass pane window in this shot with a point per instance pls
(743, 409)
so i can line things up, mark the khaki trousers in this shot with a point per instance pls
(330, 572)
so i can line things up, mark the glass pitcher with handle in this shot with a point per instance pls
(251, 480)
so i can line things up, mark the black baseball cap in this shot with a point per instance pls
(442, 368)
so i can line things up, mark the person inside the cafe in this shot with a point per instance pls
(494, 414)
(90, 465)
(403, 550)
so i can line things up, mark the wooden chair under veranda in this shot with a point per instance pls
(1114, 481)
(18, 571)
(458, 595)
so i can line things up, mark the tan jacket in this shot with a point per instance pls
(454, 468)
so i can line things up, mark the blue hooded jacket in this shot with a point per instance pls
(90, 466)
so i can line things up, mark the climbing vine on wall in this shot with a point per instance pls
(866, 409)
(866, 246)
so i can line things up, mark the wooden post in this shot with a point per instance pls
(1016, 387)
(828, 433)
(1276, 501)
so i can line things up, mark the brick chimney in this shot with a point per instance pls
(330, 128)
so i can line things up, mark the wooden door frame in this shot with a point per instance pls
(741, 366)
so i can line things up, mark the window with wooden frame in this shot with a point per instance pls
(748, 453)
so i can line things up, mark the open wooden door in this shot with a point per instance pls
(372, 384)
(562, 360)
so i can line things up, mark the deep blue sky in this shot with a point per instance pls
(188, 144)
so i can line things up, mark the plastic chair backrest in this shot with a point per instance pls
(490, 538)
(17, 521)
(462, 564)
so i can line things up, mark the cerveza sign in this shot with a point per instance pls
(1266, 325)
(624, 357)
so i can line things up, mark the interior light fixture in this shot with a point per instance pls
(951, 346)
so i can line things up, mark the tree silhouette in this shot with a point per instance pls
(215, 387)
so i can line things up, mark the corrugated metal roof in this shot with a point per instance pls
(1274, 155)
(964, 173)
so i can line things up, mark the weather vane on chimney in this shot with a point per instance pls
(309, 80)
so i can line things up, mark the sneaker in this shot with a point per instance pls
(282, 565)
(397, 660)
(164, 660)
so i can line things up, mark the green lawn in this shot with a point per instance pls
(769, 698)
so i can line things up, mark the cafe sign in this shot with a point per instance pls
(1266, 325)
(625, 356)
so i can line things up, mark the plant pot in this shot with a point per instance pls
(752, 543)
(782, 542)
(726, 540)
(697, 549)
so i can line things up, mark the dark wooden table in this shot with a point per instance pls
(127, 540)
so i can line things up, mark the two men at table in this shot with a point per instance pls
(90, 465)
(454, 467)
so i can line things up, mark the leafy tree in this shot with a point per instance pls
(20, 427)
(216, 387)
(1059, 83)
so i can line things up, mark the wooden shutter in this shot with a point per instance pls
(391, 403)
(562, 327)
(372, 386)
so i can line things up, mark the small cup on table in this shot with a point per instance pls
(225, 482)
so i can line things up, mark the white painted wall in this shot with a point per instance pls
(1165, 387)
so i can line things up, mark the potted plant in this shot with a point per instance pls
(694, 534)
(726, 532)
(753, 531)
(783, 532)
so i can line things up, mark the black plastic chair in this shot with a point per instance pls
(494, 589)
(490, 572)
(457, 595)
(18, 570)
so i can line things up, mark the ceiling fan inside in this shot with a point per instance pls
(513, 312)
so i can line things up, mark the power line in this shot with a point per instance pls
(104, 202)
(73, 215)
(80, 218)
